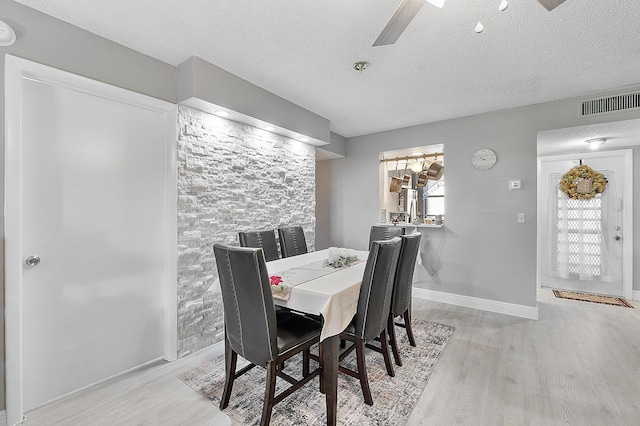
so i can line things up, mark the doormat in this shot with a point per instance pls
(394, 398)
(594, 298)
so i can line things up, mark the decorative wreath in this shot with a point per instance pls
(582, 183)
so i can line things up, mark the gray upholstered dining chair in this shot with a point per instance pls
(292, 241)
(381, 233)
(253, 328)
(266, 240)
(374, 303)
(401, 299)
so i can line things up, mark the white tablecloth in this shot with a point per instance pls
(334, 296)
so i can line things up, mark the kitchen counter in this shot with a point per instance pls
(410, 225)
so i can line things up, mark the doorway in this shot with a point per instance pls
(90, 233)
(586, 245)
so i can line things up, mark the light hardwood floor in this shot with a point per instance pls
(579, 364)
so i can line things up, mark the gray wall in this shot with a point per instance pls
(337, 145)
(323, 203)
(485, 253)
(49, 41)
(231, 177)
(204, 81)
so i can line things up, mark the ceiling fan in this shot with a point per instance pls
(550, 4)
(408, 9)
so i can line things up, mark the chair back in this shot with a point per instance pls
(404, 274)
(266, 240)
(249, 312)
(381, 233)
(292, 241)
(374, 301)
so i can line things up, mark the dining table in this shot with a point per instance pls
(320, 289)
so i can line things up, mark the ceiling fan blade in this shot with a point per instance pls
(550, 4)
(405, 13)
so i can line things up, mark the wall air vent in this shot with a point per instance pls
(611, 104)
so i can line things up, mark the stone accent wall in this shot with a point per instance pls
(231, 177)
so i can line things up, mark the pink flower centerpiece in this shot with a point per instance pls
(275, 279)
(279, 288)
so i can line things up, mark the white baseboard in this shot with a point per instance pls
(476, 303)
(3, 419)
(635, 295)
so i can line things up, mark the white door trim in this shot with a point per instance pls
(17, 69)
(627, 220)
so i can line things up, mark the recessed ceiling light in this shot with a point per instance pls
(221, 113)
(269, 128)
(595, 142)
(360, 66)
(437, 3)
(503, 5)
(479, 27)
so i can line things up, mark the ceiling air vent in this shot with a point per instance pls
(611, 104)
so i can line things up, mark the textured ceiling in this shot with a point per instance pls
(303, 51)
(572, 140)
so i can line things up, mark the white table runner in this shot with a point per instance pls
(301, 274)
(333, 295)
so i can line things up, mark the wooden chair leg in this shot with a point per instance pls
(407, 325)
(321, 374)
(270, 390)
(305, 363)
(384, 344)
(391, 329)
(362, 372)
(230, 359)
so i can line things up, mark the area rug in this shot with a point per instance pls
(393, 397)
(594, 298)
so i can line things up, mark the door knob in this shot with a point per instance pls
(32, 261)
(617, 237)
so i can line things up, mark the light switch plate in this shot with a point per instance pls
(521, 218)
(515, 184)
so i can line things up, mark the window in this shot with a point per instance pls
(580, 234)
(434, 198)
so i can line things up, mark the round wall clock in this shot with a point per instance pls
(484, 159)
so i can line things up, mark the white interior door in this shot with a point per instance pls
(583, 240)
(92, 207)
